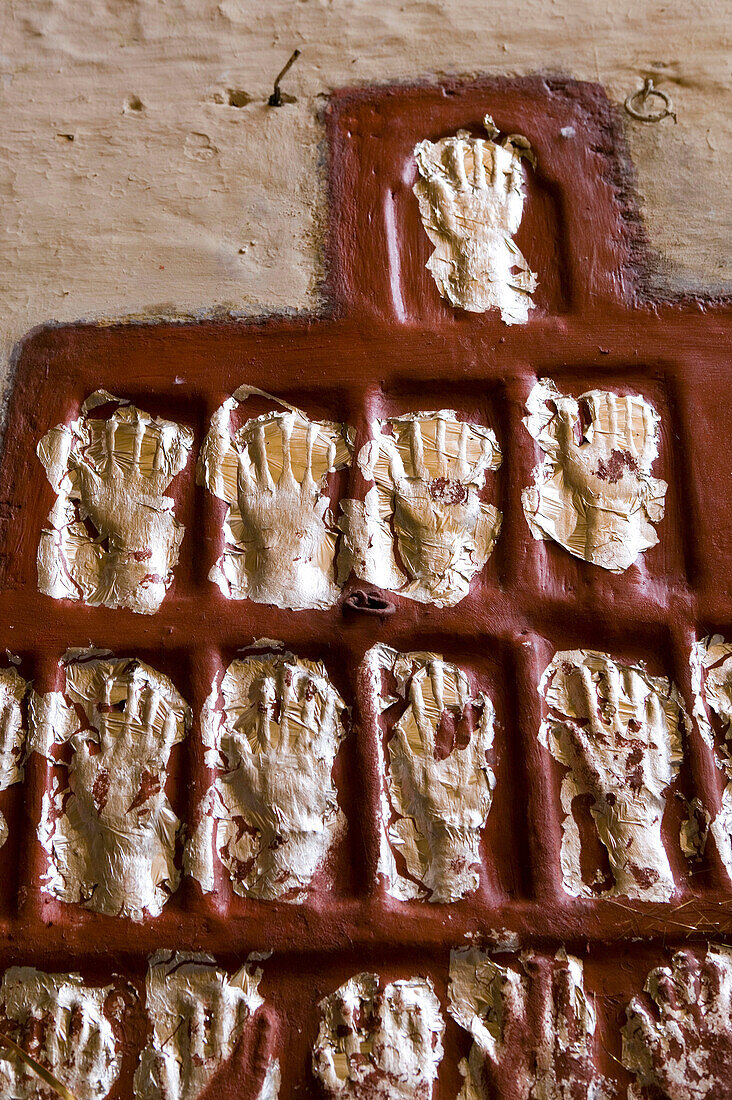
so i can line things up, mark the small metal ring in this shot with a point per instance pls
(638, 99)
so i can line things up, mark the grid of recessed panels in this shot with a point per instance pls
(531, 600)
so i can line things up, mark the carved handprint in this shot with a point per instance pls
(111, 836)
(272, 813)
(498, 1005)
(280, 539)
(428, 468)
(198, 1013)
(711, 667)
(594, 495)
(678, 1045)
(438, 788)
(379, 1043)
(112, 474)
(619, 732)
(61, 1023)
(471, 199)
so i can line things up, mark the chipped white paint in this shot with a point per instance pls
(109, 832)
(492, 1003)
(379, 1042)
(112, 473)
(198, 1013)
(619, 732)
(471, 200)
(711, 670)
(681, 1047)
(13, 689)
(434, 807)
(61, 1023)
(271, 814)
(279, 535)
(596, 496)
(427, 469)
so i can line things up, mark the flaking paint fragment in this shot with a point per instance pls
(198, 1013)
(422, 529)
(13, 690)
(61, 1023)
(279, 534)
(271, 814)
(109, 831)
(678, 1043)
(594, 493)
(471, 199)
(434, 805)
(380, 1042)
(711, 670)
(493, 1004)
(619, 732)
(112, 537)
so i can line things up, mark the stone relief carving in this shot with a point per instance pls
(112, 536)
(471, 199)
(279, 534)
(379, 1041)
(437, 785)
(198, 1013)
(493, 1003)
(109, 832)
(711, 668)
(272, 814)
(13, 690)
(427, 470)
(66, 1027)
(594, 493)
(677, 1042)
(618, 730)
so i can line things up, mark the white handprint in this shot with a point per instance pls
(377, 1042)
(711, 667)
(280, 538)
(112, 474)
(436, 797)
(427, 469)
(198, 1013)
(61, 1023)
(619, 732)
(272, 813)
(471, 199)
(497, 1005)
(594, 495)
(111, 835)
(678, 1044)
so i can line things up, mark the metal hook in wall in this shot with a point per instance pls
(639, 104)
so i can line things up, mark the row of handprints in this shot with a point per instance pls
(420, 527)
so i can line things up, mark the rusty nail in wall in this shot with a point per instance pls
(640, 105)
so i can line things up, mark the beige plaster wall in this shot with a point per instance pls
(130, 187)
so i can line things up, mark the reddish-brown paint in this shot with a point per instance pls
(387, 345)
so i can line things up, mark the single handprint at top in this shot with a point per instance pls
(376, 1042)
(594, 493)
(427, 469)
(111, 835)
(438, 788)
(279, 534)
(619, 732)
(198, 1013)
(65, 1027)
(538, 994)
(677, 1041)
(272, 812)
(471, 200)
(111, 475)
